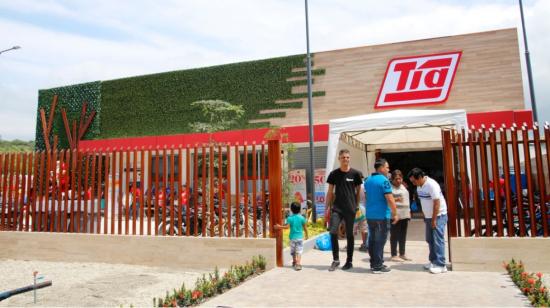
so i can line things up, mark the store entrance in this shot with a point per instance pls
(429, 161)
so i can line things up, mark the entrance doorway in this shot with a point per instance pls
(429, 161)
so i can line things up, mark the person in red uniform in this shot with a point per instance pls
(63, 177)
(160, 198)
(135, 194)
(183, 196)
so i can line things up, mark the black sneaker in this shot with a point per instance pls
(363, 248)
(347, 266)
(383, 269)
(333, 266)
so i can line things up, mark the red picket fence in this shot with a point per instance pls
(496, 181)
(207, 190)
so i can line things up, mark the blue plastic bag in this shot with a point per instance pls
(323, 242)
(414, 207)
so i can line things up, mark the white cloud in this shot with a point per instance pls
(79, 41)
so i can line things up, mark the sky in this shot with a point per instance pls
(75, 41)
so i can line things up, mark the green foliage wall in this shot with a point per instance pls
(160, 104)
(70, 98)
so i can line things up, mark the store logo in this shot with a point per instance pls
(418, 80)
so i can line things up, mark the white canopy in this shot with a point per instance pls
(397, 130)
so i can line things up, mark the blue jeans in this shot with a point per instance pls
(378, 234)
(436, 239)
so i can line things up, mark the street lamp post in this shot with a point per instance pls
(310, 117)
(13, 48)
(528, 60)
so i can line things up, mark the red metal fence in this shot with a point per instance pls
(497, 181)
(207, 190)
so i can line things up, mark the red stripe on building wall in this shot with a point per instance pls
(498, 118)
(295, 134)
(523, 116)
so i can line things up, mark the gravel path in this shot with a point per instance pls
(91, 284)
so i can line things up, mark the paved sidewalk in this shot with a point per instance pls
(406, 285)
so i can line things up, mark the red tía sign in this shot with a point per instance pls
(418, 80)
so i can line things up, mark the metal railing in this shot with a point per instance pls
(203, 190)
(497, 181)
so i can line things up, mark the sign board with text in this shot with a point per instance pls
(298, 182)
(320, 183)
(418, 80)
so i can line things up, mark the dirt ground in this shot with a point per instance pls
(91, 284)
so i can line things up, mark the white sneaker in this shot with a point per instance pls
(428, 266)
(438, 269)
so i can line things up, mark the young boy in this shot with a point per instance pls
(298, 226)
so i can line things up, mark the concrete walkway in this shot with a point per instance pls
(406, 285)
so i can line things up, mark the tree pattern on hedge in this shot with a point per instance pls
(71, 99)
(219, 115)
(75, 134)
(47, 126)
(161, 104)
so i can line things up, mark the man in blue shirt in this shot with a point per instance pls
(380, 206)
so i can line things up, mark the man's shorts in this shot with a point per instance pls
(360, 226)
(296, 247)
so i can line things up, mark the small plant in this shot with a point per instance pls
(259, 262)
(530, 284)
(262, 262)
(212, 285)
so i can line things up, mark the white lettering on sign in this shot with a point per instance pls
(418, 80)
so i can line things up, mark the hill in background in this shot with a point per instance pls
(16, 146)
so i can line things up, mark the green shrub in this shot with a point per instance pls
(214, 284)
(530, 284)
(161, 104)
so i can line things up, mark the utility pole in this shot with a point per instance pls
(528, 60)
(310, 117)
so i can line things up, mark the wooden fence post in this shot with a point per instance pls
(275, 194)
(461, 148)
(449, 182)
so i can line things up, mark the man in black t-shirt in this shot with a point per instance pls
(342, 200)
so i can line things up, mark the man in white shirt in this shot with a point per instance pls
(435, 216)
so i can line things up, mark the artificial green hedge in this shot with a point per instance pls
(70, 98)
(160, 104)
